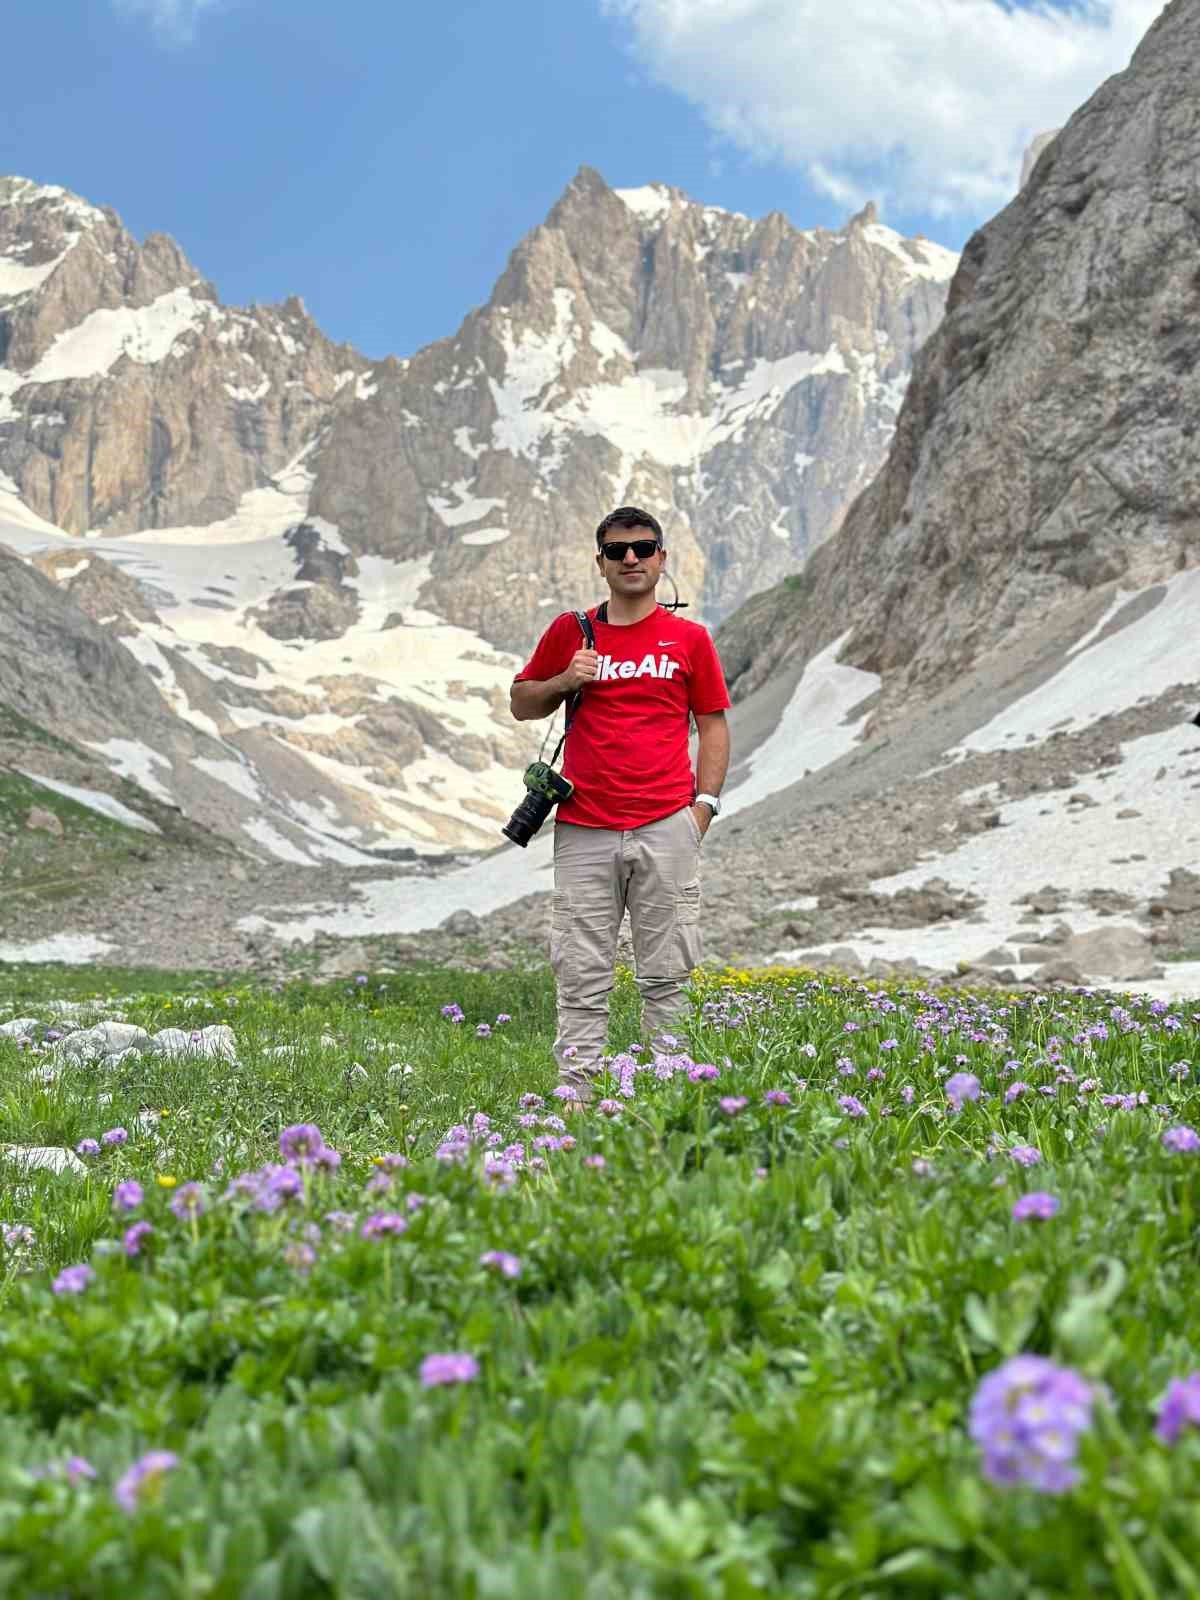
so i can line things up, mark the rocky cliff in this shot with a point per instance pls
(1045, 447)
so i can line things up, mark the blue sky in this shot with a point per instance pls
(381, 159)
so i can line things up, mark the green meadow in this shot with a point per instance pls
(348, 1308)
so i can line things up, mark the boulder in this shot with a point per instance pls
(43, 821)
(103, 1039)
(19, 1028)
(999, 957)
(1122, 951)
(1059, 971)
(216, 1040)
(42, 1158)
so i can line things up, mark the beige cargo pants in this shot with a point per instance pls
(652, 871)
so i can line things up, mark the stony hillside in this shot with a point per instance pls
(1045, 446)
(327, 567)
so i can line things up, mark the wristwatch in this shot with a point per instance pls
(712, 801)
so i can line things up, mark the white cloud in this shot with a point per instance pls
(173, 21)
(927, 104)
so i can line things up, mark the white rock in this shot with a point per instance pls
(50, 1158)
(104, 1039)
(215, 1040)
(19, 1028)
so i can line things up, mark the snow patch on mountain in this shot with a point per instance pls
(650, 201)
(145, 335)
(1138, 662)
(813, 730)
(106, 805)
(920, 257)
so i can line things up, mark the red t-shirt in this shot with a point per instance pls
(627, 751)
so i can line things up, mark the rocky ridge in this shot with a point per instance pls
(1044, 448)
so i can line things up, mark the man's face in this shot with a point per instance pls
(633, 574)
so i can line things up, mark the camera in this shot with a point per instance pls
(545, 789)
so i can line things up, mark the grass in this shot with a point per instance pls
(740, 1350)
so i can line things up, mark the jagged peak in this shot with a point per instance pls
(864, 218)
(18, 191)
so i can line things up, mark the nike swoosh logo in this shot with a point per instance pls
(663, 643)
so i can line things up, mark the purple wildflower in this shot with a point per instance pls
(733, 1104)
(392, 1162)
(300, 1142)
(127, 1196)
(189, 1202)
(1180, 1408)
(87, 1147)
(300, 1257)
(508, 1266)
(340, 1221)
(962, 1086)
(73, 1280)
(134, 1238)
(384, 1224)
(1027, 1416)
(1038, 1207)
(483, 1031)
(595, 1163)
(453, 1012)
(452, 1366)
(144, 1479)
(19, 1236)
(531, 1102)
(378, 1183)
(502, 1018)
(76, 1469)
(703, 1072)
(1025, 1155)
(115, 1136)
(1181, 1140)
(610, 1108)
(851, 1106)
(777, 1097)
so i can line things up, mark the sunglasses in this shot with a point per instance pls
(643, 549)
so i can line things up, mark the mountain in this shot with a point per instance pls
(329, 567)
(1044, 451)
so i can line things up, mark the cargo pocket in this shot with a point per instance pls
(687, 924)
(560, 935)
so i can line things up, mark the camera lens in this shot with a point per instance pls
(527, 818)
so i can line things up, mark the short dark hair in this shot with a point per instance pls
(628, 517)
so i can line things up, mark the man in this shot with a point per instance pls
(629, 836)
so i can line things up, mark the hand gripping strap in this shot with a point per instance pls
(589, 639)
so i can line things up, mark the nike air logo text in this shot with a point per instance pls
(647, 667)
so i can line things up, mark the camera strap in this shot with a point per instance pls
(589, 639)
